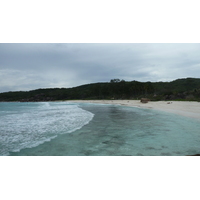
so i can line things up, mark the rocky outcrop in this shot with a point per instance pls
(144, 100)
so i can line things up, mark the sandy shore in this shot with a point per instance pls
(184, 108)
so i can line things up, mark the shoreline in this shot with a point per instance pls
(184, 108)
(188, 109)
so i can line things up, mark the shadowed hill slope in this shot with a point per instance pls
(180, 89)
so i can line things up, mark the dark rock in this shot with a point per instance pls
(144, 100)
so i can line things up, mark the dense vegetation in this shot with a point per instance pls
(181, 89)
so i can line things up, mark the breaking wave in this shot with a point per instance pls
(26, 125)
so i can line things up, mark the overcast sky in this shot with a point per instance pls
(32, 66)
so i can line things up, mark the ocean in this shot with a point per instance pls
(82, 129)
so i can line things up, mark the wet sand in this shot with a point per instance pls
(185, 108)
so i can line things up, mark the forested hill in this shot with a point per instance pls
(180, 89)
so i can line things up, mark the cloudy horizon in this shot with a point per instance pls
(31, 66)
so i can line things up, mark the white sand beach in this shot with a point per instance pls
(185, 108)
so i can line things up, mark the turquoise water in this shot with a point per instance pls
(63, 128)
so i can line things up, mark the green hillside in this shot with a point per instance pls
(180, 89)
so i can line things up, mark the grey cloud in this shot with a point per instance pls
(31, 66)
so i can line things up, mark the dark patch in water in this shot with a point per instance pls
(150, 148)
(88, 152)
(140, 154)
(177, 152)
(165, 154)
(106, 142)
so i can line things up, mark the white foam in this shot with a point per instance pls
(36, 123)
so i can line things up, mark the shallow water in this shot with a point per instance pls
(27, 125)
(116, 131)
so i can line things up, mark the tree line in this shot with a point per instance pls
(180, 89)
